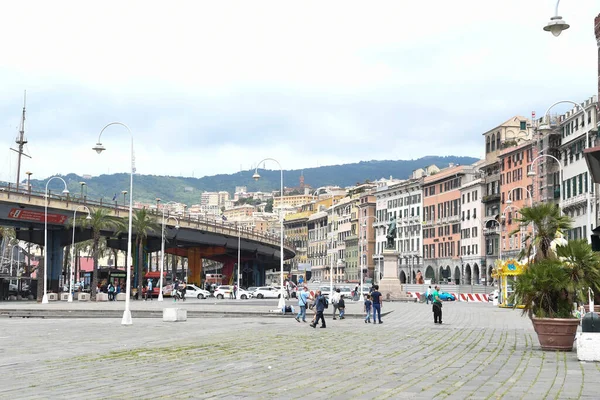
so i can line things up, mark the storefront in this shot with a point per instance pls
(506, 272)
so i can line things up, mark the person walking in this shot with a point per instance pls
(368, 307)
(377, 299)
(320, 305)
(437, 306)
(342, 306)
(428, 297)
(303, 299)
(335, 300)
(149, 290)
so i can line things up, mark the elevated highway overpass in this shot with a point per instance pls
(196, 239)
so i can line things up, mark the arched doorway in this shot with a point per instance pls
(457, 275)
(402, 277)
(430, 273)
(467, 275)
(476, 280)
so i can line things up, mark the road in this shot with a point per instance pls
(480, 352)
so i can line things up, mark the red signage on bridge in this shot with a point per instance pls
(36, 216)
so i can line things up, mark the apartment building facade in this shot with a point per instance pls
(578, 131)
(442, 223)
(472, 246)
(319, 241)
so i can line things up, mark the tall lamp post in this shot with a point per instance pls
(89, 217)
(546, 128)
(162, 250)
(99, 148)
(237, 293)
(256, 177)
(65, 191)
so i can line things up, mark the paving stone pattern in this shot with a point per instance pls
(480, 352)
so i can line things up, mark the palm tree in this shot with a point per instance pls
(101, 220)
(143, 223)
(547, 220)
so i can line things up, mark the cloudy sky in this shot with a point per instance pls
(210, 87)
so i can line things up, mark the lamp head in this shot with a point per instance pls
(176, 226)
(544, 129)
(531, 173)
(99, 148)
(66, 191)
(556, 25)
(256, 176)
(503, 217)
(82, 183)
(89, 217)
(509, 201)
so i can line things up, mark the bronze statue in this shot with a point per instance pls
(391, 235)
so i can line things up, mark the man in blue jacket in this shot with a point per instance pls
(303, 303)
(320, 304)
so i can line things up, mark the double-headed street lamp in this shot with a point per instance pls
(99, 148)
(65, 191)
(162, 250)
(89, 217)
(256, 177)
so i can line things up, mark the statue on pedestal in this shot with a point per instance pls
(391, 235)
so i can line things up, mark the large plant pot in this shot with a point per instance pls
(556, 334)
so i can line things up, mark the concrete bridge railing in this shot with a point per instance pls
(186, 220)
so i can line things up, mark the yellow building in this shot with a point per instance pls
(292, 201)
(240, 212)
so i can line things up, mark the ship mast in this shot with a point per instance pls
(21, 141)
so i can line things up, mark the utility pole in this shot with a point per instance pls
(21, 141)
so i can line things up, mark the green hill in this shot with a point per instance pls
(187, 190)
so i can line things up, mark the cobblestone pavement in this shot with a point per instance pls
(480, 352)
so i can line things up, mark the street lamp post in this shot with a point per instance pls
(99, 148)
(256, 177)
(81, 195)
(162, 250)
(237, 293)
(70, 298)
(547, 128)
(65, 191)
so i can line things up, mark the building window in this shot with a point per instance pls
(498, 141)
(487, 144)
(493, 142)
(523, 125)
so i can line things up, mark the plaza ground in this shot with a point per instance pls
(480, 352)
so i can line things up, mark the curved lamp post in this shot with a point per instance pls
(99, 148)
(162, 251)
(65, 191)
(256, 177)
(545, 128)
(89, 217)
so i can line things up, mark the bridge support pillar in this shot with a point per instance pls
(194, 256)
(55, 262)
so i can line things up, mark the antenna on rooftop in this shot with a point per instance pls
(21, 141)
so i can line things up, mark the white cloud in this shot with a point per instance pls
(209, 87)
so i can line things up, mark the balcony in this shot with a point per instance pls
(490, 198)
(495, 230)
(575, 201)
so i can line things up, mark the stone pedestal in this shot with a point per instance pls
(121, 296)
(82, 296)
(64, 296)
(52, 297)
(101, 296)
(588, 346)
(389, 285)
(174, 315)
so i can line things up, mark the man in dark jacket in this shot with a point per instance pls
(320, 303)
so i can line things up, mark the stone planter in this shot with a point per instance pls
(556, 334)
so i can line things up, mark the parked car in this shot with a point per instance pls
(224, 292)
(192, 290)
(447, 296)
(267, 292)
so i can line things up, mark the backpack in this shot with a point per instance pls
(325, 302)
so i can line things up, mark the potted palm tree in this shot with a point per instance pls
(558, 274)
